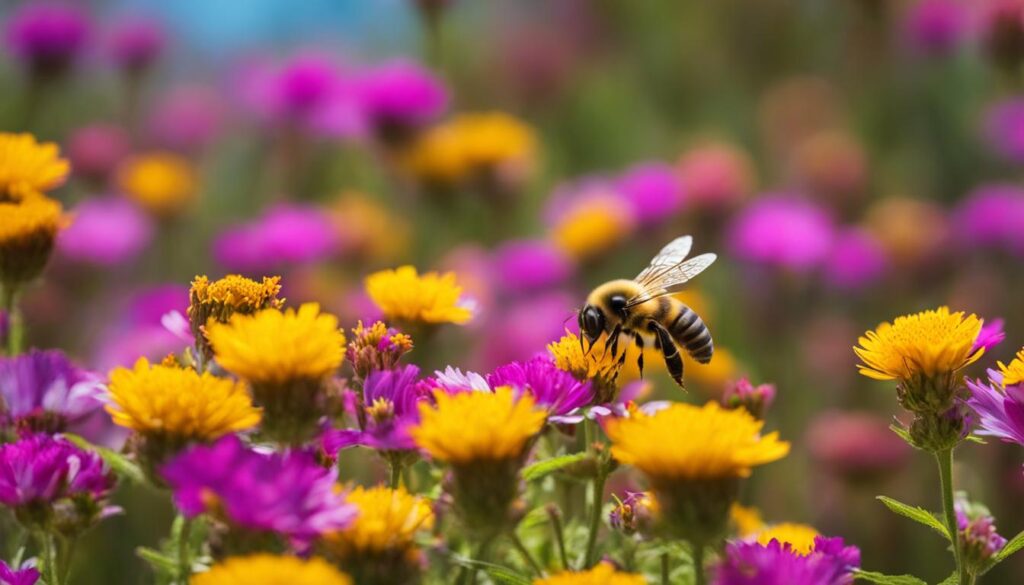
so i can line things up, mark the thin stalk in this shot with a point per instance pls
(556, 528)
(69, 554)
(184, 552)
(525, 553)
(468, 576)
(15, 327)
(698, 564)
(595, 517)
(396, 474)
(51, 566)
(945, 461)
(664, 568)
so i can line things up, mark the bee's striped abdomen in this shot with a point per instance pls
(689, 331)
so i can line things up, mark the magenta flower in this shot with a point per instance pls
(96, 150)
(715, 176)
(401, 95)
(106, 232)
(856, 260)
(9, 576)
(43, 391)
(556, 390)
(136, 43)
(527, 265)
(284, 236)
(527, 326)
(750, 563)
(755, 399)
(187, 118)
(48, 36)
(653, 191)
(289, 494)
(936, 27)
(390, 403)
(1000, 410)
(140, 332)
(782, 231)
(1003, 128)
(992, 216)
(45, 473)
(991, 335)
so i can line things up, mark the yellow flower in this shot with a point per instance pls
(266, 569)
(929, 343)
(601, 574)
(370, 229)
(404, 295)
(472, 426)
(27, 166)
(164, 183)
(592, 226)
(178, 402)
(28, 230)
(388, 521)
(747, 520)
(689, 442)
(1014, 372)
(799, 536)
(276, 347)
(586, 362)
(471, 143)
(240, 294)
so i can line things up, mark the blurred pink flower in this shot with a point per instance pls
(285, 235)
(401, 94)
(526, 328)
(48, 36)
(783, 231)
(527, 265)
(135, 43)
(1003, 128)
(96, 150)
(106, 231)
(936, 27)
(856, 445)
(653, 190)
(186, 119)
(992, 216)
(715, 176)
(140, 332)
(856, 260)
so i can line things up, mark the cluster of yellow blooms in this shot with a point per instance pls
(268, 569)
(406, 296)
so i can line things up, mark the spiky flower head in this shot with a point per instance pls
(265, 569)
(561, 393)
(979, 540)
(220, 299)
(28, 230)
(390, 408)
(29, 167)
(799, 537)
(694, 458)
(377, 347)
(830, 562)
(601, 574)
(162, 183)
(259, 494)
(999, 405)
(591, 363)
(406, 296)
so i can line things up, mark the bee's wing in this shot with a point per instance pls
(669, 257)
(670, 280)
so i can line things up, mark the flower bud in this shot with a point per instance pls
(755, 399)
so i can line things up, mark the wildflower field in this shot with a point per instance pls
(537, 292)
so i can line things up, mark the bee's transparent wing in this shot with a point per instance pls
(668, 258)
(672, 279)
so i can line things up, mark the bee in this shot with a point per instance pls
(644, 311)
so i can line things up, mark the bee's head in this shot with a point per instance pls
(592, 322)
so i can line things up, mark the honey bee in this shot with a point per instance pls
(644, 310)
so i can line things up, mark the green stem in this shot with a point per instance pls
(69, 552)
(51, 566)
(556, 527)
(184, 552)
(664, 568)
(945, 461)
(396, 473)
(596, 507)
(15, 327)
(525, 553)
(468, 576)
(698, 564)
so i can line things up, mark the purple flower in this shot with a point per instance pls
(284, 235)
(135, 43)
(527, 325)
(992, 216)
(755, 399)
(1001, 410)
(991, 335)
(528, 265)
(45, 392)
(105, 232)
(455, 380)
(140, 332)
(1003, 128)
(750, 563)
(856, 260)
(288, 494)
(97, 149)
(936, 27)
(978, 535)
(653, 191)
(41, 469)
(391, 399)
(187, 118)
(782, 231)
(402, 94)
(556, 390)
(48, 36)
(9, 576)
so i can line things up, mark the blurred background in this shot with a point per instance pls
(850, 161)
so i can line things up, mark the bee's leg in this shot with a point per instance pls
(640, 358)
(673, 361)
(613, 340)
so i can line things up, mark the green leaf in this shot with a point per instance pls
(953, 579)
(881, 579)
(548, 466)
(1015, 544)
(500, 574)
(903, 434)
(159, 561)
(121, 465)
(919, 515)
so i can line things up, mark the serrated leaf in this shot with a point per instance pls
(919, 515)
(121, 465)
(1013, 545)
(548, 466)
(882, 579)
(953, 579)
